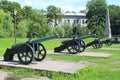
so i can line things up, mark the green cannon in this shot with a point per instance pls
(97, 43)
(74, 45)
(29, 50)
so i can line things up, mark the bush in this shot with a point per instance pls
(68, 30)
(80, 30)
(60, 31)
(99, 30)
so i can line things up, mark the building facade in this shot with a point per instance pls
(74, 19)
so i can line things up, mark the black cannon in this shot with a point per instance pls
(74, 45)
(107, 42)
(115, 40)
(97, 43)
(29, 50)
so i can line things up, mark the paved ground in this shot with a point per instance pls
(5, 76)
(110, 48)
(41, 78)
(115, 63)
(49, 65)
(92, 54)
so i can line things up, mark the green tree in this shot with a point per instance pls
(80, 30)
(23, 27)
(54, 14)
(2, 14)
(39, 26)
(34, 30)
(8, 6)
(96, 15)
(40, 18)
(114, 19)
(6, 25)
(28, 12)
(68, 30)
(60, 31)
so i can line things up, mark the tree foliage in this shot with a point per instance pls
(6, 25)
(96, 15)
(54, 14)
(34, 23)
(115, 19)
(30, 22)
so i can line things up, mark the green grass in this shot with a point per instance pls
(100, 69)
(7, 43)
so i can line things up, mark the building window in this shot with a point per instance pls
(83, 21)
(68, 21)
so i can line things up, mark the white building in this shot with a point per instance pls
(75, 19)
(72, 18)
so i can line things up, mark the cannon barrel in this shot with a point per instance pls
(102, 37)
(44, 38)
(78, 38)
(83, 37)
(95, 42)
(36, 40)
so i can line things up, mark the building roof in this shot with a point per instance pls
(74, 14)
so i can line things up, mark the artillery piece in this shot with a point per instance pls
(115, 40)
(29, 50)
(74, 45)
(97, 43)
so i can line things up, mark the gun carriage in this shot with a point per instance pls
(74, 45)
(98, 43)
(29, 50)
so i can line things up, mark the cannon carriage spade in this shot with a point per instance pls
(74, 45)
(29, 50)
(97, 43)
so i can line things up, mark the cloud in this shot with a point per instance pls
(28, 3)
(68, 8)
(13, 0)
(67, 5)
(81, 8)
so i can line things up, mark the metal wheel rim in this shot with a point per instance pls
(40, 54)
(82, 46)
(26, 54)
(74, 47)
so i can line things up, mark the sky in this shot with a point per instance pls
(65, 5)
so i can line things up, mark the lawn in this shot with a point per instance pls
(100, 68)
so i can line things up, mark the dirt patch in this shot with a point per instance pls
(115, 69)
(41, 78)
(110, 48)
(115, 62)
(11, 78)
(90, 54)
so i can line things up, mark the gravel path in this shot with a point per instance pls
(5, 76)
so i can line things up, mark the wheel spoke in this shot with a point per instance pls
(21, 54)
(38, 55)
(29, 56)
